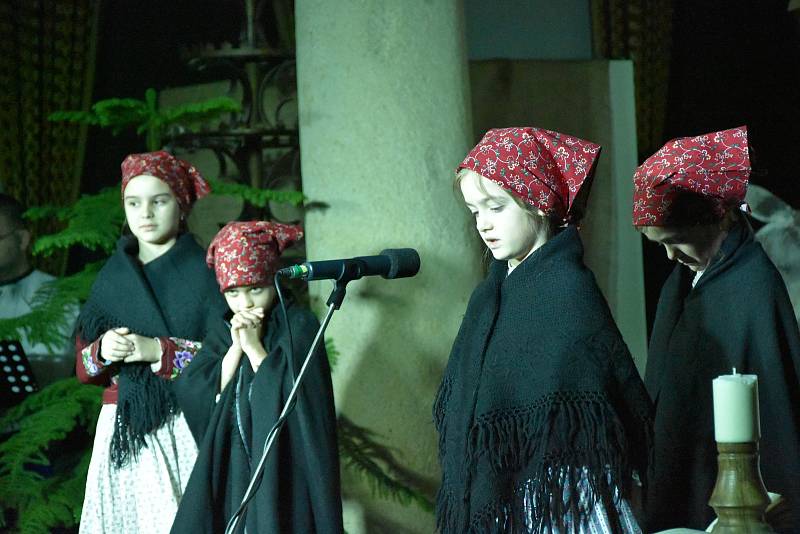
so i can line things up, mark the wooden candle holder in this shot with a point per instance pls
(739, 495)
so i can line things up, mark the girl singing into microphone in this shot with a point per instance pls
(234, 391)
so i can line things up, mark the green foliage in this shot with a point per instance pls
(257, 197)
(144, 115)
(94, 221)
(333, 354)
(195, 114)
(360, 452)
(42, 421)
(62, 502)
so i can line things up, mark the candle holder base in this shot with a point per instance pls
(739, 497)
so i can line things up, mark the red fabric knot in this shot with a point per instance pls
(185, 181)
(247, 253)
(545, 169)
(715, 166)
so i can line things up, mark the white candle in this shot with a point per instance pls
(736, 418)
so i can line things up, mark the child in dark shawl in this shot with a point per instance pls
(234, 392)
(543, 419)
(141, 325)
(724, 305)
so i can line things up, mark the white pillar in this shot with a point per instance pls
(384, 120)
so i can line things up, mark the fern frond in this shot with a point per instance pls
(120, 112)
(333, 353)
(42, 419)
(359, 451)
(67, 396)
(257, 197)
(61, 503)
(37, 213)
(199, 112)
(94, 221)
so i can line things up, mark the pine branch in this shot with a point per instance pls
(359, 451)
(257, 197)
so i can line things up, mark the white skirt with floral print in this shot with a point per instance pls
(143, 496)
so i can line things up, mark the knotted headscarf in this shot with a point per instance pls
(714, 167)
(247, 253)
(546, 169)
(185, 181)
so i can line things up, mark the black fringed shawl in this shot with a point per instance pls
(539, 386)
(738, 315)
(300, 489)
(169, 296)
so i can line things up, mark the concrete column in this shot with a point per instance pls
(384, 119)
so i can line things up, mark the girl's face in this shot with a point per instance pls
(249, 297)
(151, 210)
(693, 246)
(505, 227)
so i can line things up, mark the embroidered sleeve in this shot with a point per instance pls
(89, 366)
(177, 353)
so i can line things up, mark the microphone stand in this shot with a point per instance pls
(334, 302)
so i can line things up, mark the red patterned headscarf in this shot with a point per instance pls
(545, 169)
(714, 167)
(185, 181)
(246, 253)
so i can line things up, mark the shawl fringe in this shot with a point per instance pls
(514, 515)
(550, 446)
(145, 404)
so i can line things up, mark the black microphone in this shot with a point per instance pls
(390, 263)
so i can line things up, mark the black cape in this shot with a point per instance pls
(538, 380)
(169, 296)
(300, 490)
(738, 315)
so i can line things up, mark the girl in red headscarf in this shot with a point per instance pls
(724, 306)
(140, 327)
(235, 389)
(543, 419)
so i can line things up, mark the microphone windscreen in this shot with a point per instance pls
(404, 262)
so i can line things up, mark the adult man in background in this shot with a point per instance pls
(19, 282)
